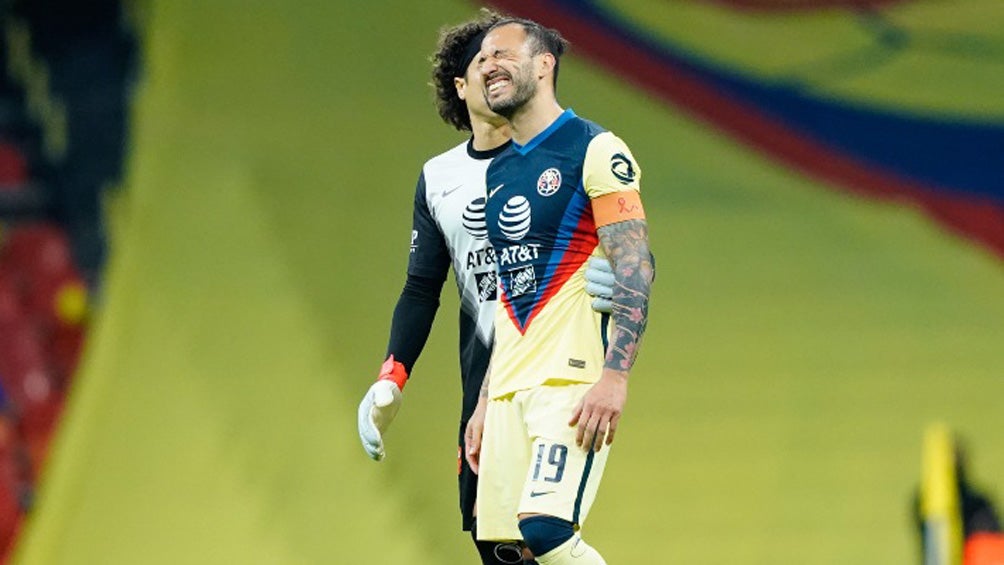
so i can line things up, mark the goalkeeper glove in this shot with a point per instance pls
(600, 284)
(380, 405)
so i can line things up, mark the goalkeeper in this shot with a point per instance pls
(449, 230)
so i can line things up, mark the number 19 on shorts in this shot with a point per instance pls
(550, 462)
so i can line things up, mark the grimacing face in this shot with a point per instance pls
(507, 69)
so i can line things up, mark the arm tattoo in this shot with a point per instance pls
(626, 246)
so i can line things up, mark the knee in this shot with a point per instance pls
(542, 533)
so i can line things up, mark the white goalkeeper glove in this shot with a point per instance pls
(380, 405)
(600, 284)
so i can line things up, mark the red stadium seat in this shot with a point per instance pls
(43, 306)
(57, 299)
(13, 482)
(37, 402)
(65, 346)
(11, 308)
(36, 250)
(21, 350)
(13, 167)
(38, 435)
(27, 379)
(38, 262)
(10, 518)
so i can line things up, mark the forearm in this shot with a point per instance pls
(626, 246)
(413, 317)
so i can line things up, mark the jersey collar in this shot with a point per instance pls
(486, 154)
(568, 114)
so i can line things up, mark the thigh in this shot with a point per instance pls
(504, 460)
(562, 479)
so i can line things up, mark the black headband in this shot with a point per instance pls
(473, 47)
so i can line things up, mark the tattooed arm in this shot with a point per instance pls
(626, 245)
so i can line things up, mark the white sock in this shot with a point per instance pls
(575, 551)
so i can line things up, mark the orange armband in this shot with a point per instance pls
(617, 207)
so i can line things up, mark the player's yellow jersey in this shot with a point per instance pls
(545, 202)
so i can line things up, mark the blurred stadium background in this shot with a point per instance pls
(824, 292)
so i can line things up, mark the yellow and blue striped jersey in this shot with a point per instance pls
(545, 201)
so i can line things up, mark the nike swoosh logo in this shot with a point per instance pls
(452, 190)
(535, 494)
(494, 190)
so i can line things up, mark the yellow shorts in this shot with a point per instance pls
(530, 463)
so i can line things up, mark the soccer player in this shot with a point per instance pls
(564, 191)
(449, 228)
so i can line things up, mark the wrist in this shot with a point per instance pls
(616, 375)
(393, 371)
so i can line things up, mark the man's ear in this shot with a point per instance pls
(546, 65)
(460, 84)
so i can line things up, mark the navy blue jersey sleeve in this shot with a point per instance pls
(428, 266)
(430, 257)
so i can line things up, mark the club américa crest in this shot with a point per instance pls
(549, 182)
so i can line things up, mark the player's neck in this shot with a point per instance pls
(534, 118)
(489, 135)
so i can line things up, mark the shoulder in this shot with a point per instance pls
(607, 143)
(576, 135)
(590, 128)
(581, 130)
(448, 169)
(609, 165)
(448, 159)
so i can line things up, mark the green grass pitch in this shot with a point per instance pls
(799, 342)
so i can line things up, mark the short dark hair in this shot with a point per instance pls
(451, 60)
(542, 40)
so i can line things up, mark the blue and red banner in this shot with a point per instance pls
(949, 165)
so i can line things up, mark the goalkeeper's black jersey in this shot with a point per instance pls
(449, 229)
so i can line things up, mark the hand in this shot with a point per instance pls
(600, 409)
(379, 406)
(600, 284)
(473, 433)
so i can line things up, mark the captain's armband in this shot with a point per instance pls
(617, 207)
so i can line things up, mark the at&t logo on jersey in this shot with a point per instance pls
(514, 220)
(515, 254)
(549, 182)
(522, 281)
(474, 219)
(480, 257)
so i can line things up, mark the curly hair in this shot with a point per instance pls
(448, 63)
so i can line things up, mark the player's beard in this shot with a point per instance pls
(524, 88)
